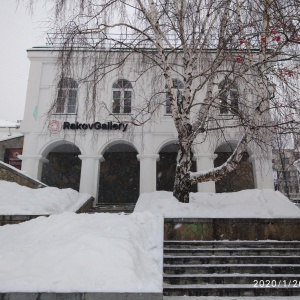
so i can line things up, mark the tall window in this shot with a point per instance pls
(229, 97)
(177, 84)
(122, 96)
(66, 96)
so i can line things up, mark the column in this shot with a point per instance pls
(32, 165)
(90, 171)
(205, 162)
(262, 171)
(147, 172)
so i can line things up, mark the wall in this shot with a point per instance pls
(14, 142)
(8, 173)
(148, 140)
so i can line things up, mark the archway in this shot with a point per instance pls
(64, 167)
(166, 167)
(241, 178)
(119, 175)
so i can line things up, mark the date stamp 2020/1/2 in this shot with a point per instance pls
(277, 283)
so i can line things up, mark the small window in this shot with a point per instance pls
(66, 101)
(228, 98)
(177, 84)
(122, 97)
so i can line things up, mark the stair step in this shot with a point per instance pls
(270, 280)
(232, 244)
(228, 290)
(112, 208)
(231, 251)
(232, 268)
(231, 259)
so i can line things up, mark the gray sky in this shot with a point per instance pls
(19, 31)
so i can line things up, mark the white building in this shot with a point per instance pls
(106, 156)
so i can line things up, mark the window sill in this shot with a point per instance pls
(121, 114)
(64, 114)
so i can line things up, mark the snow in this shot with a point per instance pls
(20, 200)
(83, 253)
(68, 252)
(7, 136)
(254, 203)
(8, 124)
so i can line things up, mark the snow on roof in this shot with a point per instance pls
(8, 124)
(10, 137)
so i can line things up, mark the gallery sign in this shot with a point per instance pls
(54, 126)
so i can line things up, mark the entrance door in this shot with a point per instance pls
(119, 176)
(64, 167)
(166, 168)
(240, 179)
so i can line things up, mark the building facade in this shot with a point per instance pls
(107, 156)
(286, 152)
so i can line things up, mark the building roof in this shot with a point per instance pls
(8, 124)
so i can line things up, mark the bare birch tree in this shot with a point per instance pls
(249, 43)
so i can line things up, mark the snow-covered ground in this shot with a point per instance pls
(20, 200)
(83, 253)
(244, 204)
(70, 252)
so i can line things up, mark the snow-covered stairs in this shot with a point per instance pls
(232, 268)
(117, 208)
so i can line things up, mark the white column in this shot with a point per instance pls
(147, 172)
(33, 164)
(262, 171)
(205, 162)
(90, 171)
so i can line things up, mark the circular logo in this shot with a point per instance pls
(54, 126)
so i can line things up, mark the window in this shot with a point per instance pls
(66, 96)
(177, 84)
(122, 96)
(228, 97)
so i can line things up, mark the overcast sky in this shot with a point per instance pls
(19, 31)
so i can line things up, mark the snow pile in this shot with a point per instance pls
(20, 200)
(244, 204)
(83, 253)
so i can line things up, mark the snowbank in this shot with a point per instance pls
(83, 253)
(244, 204)
(20, 200)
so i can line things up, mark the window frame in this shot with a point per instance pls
(66, 103)
(178, 84)
(230, 107)
(122, 86)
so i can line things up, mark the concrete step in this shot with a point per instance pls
(228, 290)
(126, 208)
(232, 268)
(232, 244)
(231, 251)
(243, 260)
(268, 280)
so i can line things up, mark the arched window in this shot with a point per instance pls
(66, 101)
(122, 96)
(229, 97)
(177, 84)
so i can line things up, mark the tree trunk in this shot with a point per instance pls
(182, 182)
